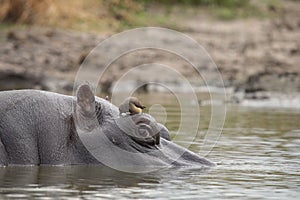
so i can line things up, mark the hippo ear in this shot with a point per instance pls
(85, 100)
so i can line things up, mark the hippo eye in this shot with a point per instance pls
(145, 135)
(143, 132)
(141, 128)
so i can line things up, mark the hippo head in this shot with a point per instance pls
(134, 143)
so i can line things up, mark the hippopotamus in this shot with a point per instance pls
(46, 128)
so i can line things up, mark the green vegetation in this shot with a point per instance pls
(116, 15)
(226, 9)
(223, 3)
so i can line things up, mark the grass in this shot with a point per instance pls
(117, 15)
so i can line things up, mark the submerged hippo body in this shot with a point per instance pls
(38, 127)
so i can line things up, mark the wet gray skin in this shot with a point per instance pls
(38, 127)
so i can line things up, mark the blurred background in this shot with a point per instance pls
(255, 43)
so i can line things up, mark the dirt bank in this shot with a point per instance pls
(251, 54)
(254, 54)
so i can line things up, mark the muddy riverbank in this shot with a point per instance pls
(253, 55)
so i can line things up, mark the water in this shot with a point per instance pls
(257, 157)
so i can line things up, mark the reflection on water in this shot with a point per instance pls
(257, 157)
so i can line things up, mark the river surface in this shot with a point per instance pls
(257, 157)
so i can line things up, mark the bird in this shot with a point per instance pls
(131, 105)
